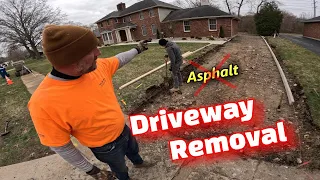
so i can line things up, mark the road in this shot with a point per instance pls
(310, 44)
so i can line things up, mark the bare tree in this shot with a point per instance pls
(240, 4)
(228, 6)
(22, 22)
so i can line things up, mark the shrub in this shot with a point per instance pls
(269, 19)
(221, 33)
(184, 38)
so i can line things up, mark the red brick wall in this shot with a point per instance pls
(135, 19)
(199, 28)
(147, 21)
(235, 27)
(312, 30)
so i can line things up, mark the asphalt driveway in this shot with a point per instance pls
(310, 44)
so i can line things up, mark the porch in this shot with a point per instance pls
(122, 34)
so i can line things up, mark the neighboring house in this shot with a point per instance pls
(147, 18)
(311, 28)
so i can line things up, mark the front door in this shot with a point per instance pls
(123, 35)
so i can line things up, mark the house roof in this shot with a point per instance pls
(196, 13)
(145, 4)
(316, 19)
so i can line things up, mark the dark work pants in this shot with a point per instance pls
(114, 153)
(176, 75)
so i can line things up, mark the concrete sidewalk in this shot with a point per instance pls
(32, 81)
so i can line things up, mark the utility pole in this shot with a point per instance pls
(314, 8)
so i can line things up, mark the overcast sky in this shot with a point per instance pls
(89, 11)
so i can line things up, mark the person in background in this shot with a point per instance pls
(3, 71)
(175, 57)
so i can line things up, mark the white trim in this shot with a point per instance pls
(209, 25)
(184, 29)
(122, 28)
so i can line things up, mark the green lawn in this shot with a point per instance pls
(305, 65)
(22, 143)
(141, 64)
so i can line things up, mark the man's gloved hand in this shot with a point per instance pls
(143, 45)
(99, 174)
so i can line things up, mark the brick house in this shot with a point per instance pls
(311, 28)
(150, 18)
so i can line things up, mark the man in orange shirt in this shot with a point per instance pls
(77, 98)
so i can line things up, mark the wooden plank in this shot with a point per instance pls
(152, 71)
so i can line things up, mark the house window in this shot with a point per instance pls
(154, 29)
(186, 26)
(116, 20)
(130, 18)
(212, 24)
(101, 25)
(124, 20)
(108, 23)
(151, 13)
(104, 36)
(141, 15)
(144, 30)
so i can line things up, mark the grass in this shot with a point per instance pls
(139, 65)
(305, 65)
(22, 144)
(22, 141)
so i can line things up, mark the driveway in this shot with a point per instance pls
(310, 44)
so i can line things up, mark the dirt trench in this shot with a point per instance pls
(258, 78)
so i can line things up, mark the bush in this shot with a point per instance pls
(211, 38)
(199, 38)
(269, 19)
(184, 38)
(221, 33)
(192, 37)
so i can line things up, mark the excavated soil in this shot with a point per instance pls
(258, 78)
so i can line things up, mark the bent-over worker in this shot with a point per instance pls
(174, 54)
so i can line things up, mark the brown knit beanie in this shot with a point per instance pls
(66, 44)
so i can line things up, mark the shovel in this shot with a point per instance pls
(5, 129)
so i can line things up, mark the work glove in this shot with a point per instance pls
(99, 174)
(143, 45)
